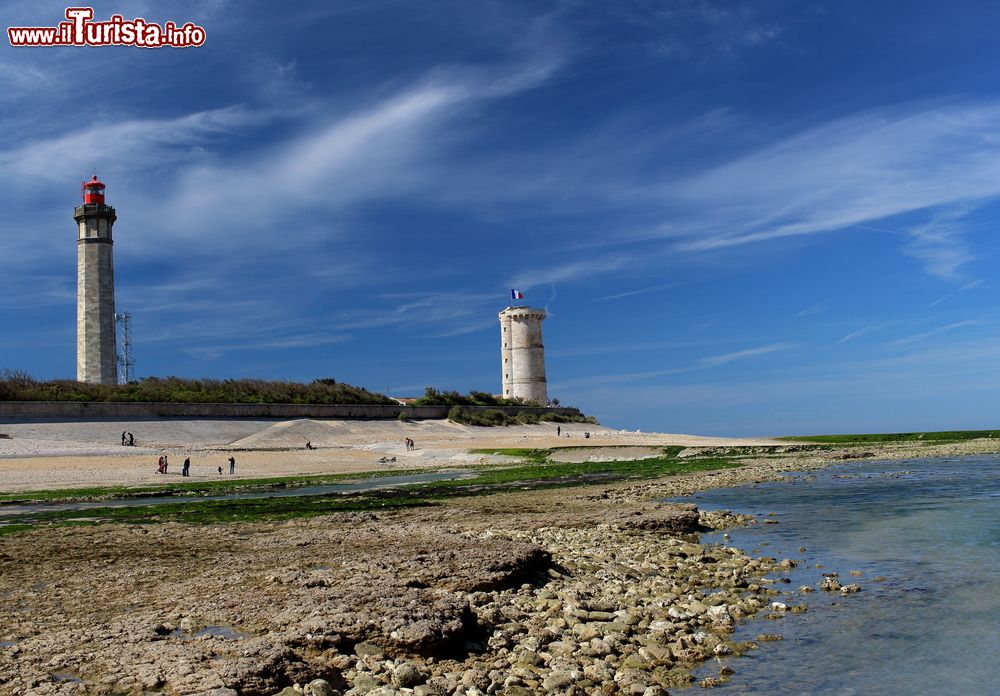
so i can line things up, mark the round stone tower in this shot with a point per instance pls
(95, 288)
(523, 354)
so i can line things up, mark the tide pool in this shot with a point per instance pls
(930, 527)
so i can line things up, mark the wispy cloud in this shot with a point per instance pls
(862, 168)
(975, 284)
(633, 293)
(866, 330)
(692, 30)
(161, 141)
(810, 311)
(939, 330)
(939, 244)
(572, 270)
(704, 363)
(630, 347)
(716, 360)
(859, 333)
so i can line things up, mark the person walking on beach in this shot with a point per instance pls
(131, 440)
(165, 462)
(558, 430)
(232, 465)
(186, 469)
(123, 438)
(160, 468)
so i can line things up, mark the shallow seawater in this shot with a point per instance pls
(931, 527)
(11, 513)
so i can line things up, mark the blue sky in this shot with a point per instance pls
(744, 218)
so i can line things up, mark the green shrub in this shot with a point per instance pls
(18, 386)
(433, 397)
(493, 417)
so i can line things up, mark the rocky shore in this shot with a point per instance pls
(589, 590)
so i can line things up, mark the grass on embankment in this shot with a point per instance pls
(935, 438)
(536, 473)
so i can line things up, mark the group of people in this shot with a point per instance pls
(410, 445)
(186, 467)
(128, 439)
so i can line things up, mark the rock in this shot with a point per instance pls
(261, 669)
(476, 678)
(720, 615)
(406, 675)
(585, 632)
(635, 662)
(664, 519)
(850, 589)
(557, 681)
(830, 584)
(365, 649)
(319, 687)
(363, 684)
(563, 648)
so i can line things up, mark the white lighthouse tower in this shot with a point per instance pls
(95, 288)
(522, 354)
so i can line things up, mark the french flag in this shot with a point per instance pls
(516, 294)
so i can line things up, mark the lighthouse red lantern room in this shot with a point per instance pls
(93, 191)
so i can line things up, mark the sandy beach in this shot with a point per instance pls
(595, 589)
(47, 454)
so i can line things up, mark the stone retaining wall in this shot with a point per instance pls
(132, 410)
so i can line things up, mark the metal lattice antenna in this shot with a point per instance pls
(126, 360)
